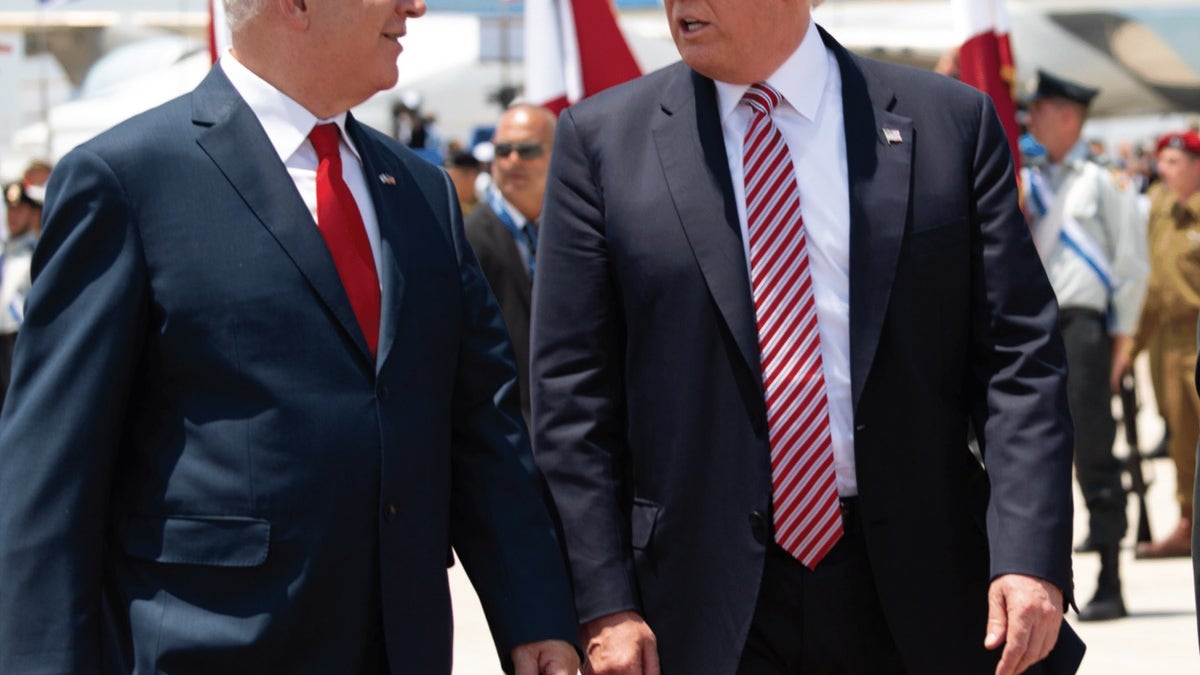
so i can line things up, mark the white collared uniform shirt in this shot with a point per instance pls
(1109, 216)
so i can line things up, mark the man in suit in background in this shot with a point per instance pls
(503, 230)
(263, 389)
(775, 285)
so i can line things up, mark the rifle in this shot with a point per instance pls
(1133, 464)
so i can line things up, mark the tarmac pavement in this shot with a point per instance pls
(1159, 636)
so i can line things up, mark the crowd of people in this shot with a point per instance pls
(684, 376)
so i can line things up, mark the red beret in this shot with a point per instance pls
(1188, 140)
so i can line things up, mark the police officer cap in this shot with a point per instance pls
(1053, 86)
(16, 193)
(1188, 141)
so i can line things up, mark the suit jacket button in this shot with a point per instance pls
(383, 392)
(389, 512)
(758, 526)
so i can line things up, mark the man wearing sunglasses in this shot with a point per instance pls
(503, 230)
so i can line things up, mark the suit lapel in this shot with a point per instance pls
(691, 148)
(504, 245)
(880, 173)
(387, 180)
(231, 135)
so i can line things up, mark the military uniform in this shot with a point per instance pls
(1093, 307)
(1093, 245)
(1170, 318)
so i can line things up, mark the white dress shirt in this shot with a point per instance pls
(494, 199)
(810, 119)
(288, 124)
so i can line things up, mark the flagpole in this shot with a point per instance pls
(43, 86)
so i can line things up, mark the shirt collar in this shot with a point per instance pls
(23, 240)
(497, 200)
(1077, 155)
(286, 122)
(800, 79)
(1192, 203)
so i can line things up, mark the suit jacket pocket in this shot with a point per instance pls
(642, 520)
(219, 541)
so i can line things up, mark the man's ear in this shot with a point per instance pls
(295, 11)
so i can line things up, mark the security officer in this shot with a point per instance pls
(24, 204)
(1170, 317)
(1094, 248)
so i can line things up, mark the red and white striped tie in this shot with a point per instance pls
(807, 516)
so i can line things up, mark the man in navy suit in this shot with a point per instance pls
(262, 390)
(777, 284)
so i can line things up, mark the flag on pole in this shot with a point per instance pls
(985, 58)
(573, 49)
(218, 30)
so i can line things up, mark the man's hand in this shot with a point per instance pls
(619, 644)
(548, 657)
(1024, 615)
(1122, 360)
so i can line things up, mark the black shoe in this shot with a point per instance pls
(1103, 609)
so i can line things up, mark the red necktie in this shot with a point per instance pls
(341, 225)
(807, 516)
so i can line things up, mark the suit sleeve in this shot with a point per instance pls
(577, 382)
(76, 359)
(1019, 372)
(500, 523)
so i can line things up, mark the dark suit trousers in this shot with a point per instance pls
(822, 621)
(1089, 362)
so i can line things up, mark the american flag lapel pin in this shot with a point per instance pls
(387, 179)
(892, 136)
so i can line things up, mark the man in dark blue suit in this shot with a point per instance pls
(262, 390)
(777, 283)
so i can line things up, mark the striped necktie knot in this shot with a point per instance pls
(762, 98)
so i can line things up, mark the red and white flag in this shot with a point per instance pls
(985, 58)
(573, 49)
(218, 30)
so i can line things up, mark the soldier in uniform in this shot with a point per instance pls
(1094, 248)
(24, 212)
(1170, 317)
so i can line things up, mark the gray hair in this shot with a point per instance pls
(237, 12)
